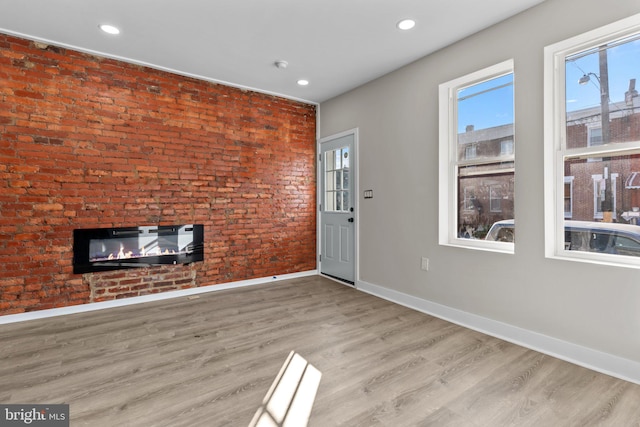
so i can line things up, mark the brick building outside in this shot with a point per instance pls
(593, 186)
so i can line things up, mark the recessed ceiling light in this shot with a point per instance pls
(109, 29)
(303, 82)
(406, 24)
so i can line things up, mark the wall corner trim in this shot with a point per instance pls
(595, 360)
(83, 308)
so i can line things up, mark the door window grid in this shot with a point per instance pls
(337, 180)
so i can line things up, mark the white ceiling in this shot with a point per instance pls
(335, 44)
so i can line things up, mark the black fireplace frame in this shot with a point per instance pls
(190, 252)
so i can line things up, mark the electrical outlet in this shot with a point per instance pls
(425, 264)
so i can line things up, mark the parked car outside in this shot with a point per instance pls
(502, 231)
(587, 236)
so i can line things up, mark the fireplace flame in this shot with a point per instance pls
(100, 249)
(121, 254)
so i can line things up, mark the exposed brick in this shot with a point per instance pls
(91, 142)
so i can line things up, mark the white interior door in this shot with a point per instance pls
(337, 208)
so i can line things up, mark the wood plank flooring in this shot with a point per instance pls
(210, 361)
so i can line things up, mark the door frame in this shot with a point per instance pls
(355, 200)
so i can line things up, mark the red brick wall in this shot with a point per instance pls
(140, 281)
(91, 142)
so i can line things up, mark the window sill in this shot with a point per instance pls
(608, 260)
(482, 245)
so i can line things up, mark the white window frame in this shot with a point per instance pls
(470, 152)
(568, 180)
(590, 131)
(448, 159)
(492, 197)
(597, 178)
(468, 198)
(506, 147)
(555, 149)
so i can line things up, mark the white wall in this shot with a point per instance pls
(592, 306)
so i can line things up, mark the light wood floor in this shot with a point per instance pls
(210, 361)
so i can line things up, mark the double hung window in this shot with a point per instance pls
(592, 142)
(477, 160)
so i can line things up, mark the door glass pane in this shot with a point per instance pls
(338, 197)
(339, 180)
(330, 183)
(345, 179)
(330, 161)
(331, 202)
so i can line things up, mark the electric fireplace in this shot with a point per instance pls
(101, 249)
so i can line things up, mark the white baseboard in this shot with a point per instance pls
(595, 360)
(82, 308)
